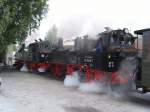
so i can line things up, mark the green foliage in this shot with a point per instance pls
(18, 18)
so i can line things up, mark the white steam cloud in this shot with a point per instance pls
(128, 68)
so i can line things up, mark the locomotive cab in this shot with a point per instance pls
(144, 75)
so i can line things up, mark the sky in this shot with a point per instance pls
(79, 17)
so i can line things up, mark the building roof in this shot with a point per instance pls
(140, 32)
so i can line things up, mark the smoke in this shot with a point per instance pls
(24, 68)
(92, 86)
(127, 69)
(76, 79)
(82, 25)
(72, 80)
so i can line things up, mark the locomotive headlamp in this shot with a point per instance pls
(42, 55)
(126, 30)
(109, 56)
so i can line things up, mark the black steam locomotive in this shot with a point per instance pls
(112, 54)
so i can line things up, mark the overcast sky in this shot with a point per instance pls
(78, 17)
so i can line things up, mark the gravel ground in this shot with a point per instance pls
(26, 92)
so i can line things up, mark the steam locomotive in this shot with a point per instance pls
(112, 54)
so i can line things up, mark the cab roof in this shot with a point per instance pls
(140, 32)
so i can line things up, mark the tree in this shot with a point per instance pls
(18, 18)
(51, 35)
